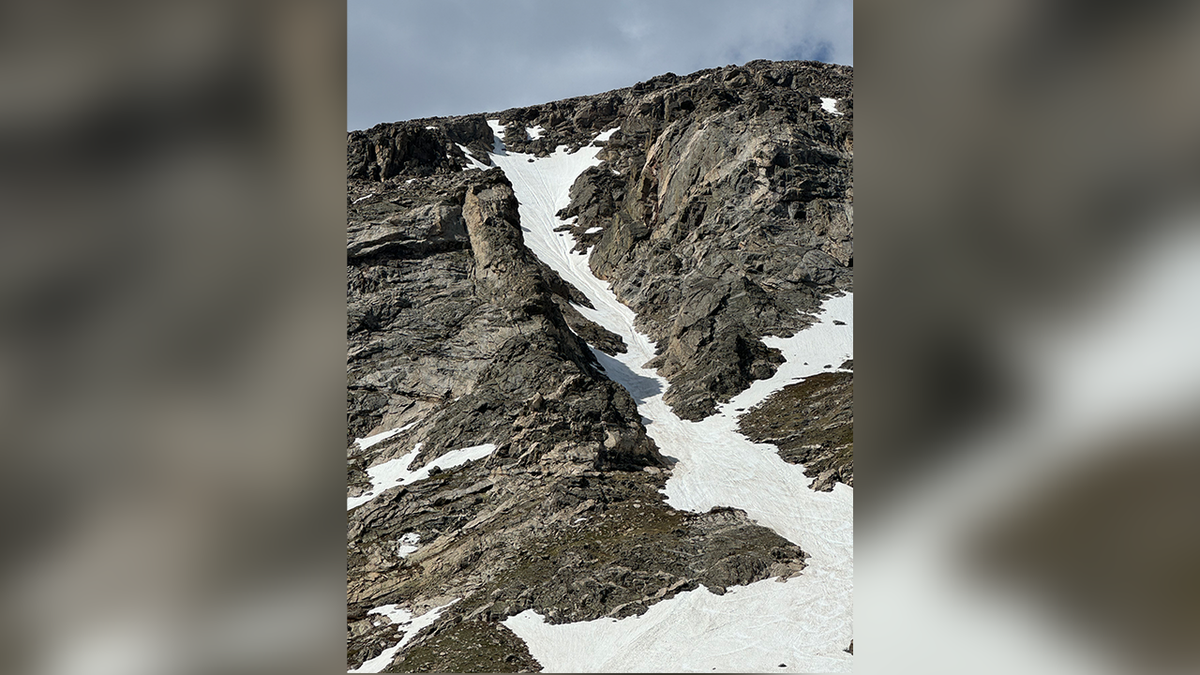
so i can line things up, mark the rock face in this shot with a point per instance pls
(722, 214)
(729, 216)
(416, 148)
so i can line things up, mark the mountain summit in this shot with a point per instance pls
(557, 316)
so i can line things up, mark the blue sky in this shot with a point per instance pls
(422, 58)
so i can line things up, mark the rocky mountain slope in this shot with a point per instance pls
(499, 466)
(812, 423)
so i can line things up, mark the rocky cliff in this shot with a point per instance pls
(722, 213)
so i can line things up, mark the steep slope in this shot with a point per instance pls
(564, 515)
(724, 206)
(502, 461)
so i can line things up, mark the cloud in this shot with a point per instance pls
(443, 57)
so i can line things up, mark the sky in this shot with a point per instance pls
(423, 58)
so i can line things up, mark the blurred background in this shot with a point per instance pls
(172, 343)
(172, 337)
(1028, 235)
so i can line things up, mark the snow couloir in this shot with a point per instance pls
(801, 625)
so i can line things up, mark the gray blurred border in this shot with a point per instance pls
(171, 348)
(1026, 214)
(172, 342)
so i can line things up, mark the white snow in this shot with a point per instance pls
(410, 180)
(808, 617)
(409, 625)
(592, 230)
(409, 543)
(535, 132)
(364, 443)
(431, 127)
(749, 629)
(475, 164)
(829, 105)
(497, 135)
(395, 472)
(362, 198)
(807, 352)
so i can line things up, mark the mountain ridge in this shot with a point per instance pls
(460, 336)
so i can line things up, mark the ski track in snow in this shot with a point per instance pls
(804, 622)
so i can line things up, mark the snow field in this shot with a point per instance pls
(752, 628)
(804, 623)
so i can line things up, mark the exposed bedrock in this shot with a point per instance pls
(722, 213)
(454, 325)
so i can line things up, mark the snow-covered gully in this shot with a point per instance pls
(801, 625)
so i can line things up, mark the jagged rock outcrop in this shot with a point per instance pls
(416, 148)
(723, 213)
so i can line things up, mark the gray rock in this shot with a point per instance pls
(724, 209)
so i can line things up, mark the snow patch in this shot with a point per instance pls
(474, 163)
(364, 443)
(409, 543)
(409, 625)
(395, 472)
(592, 230)
(807, 352)
(497, 137)
(535, 133)
(829, 105)
(362, 198)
